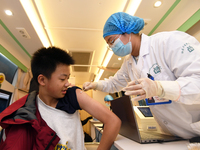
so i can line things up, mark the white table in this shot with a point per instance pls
(123, 143)
(93, 124)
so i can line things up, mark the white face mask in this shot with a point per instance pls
(120, 49)
(107, 104)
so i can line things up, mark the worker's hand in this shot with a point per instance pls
(89, 85)
(146, 88)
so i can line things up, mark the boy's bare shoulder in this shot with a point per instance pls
(81, 94)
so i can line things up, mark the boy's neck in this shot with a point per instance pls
(47, 99)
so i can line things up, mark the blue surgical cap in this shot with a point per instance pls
(119, 23)
(108, 98)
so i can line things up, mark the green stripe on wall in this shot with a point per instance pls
(165, 16)
(190, 22)
(12, 58)
(14, 38)
(8, 54)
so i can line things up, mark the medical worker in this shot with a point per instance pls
(171, 58)
(107, 100)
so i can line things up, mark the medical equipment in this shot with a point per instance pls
(145, 119)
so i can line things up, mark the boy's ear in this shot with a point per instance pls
(41, 79)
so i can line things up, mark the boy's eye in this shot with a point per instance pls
(62, 79)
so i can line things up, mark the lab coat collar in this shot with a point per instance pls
(130, 59)
(144, 50)
(144, 47)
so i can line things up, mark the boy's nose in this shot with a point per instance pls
(67, 83)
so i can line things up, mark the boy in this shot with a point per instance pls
(50, 119)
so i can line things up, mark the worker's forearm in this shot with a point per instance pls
(110, 131)
(171, 90)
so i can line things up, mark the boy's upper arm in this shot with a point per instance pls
(93, 107)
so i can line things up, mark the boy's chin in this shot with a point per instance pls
(61, 96)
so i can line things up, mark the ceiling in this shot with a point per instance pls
(77, 26)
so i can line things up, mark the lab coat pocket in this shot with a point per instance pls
(196, 127)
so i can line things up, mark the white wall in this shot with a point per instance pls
(99, 96)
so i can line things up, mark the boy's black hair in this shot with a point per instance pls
(45, 61)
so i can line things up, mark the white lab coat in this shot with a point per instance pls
(172, 56)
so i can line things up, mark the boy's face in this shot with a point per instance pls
(57, 85)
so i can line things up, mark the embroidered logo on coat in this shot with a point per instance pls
(155, 69)
(187, 47)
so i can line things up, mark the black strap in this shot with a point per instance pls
(1, 135)
(195, 140)
(51, 142)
